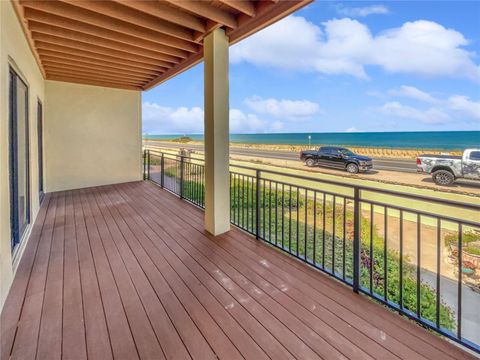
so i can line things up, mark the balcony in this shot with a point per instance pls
(128, 271)
(97, 264)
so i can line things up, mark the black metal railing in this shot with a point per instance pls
(416, 254)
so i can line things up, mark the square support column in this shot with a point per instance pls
(217, 173)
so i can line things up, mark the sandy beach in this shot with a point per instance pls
(367, 151)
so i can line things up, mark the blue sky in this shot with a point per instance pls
(342, 66)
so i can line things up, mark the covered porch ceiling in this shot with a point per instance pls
(135, 44)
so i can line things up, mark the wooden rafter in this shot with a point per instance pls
(209, 12)
(135, 44)
(245, 6)
(49, 62)
(165, 12)
(76, 36)
(105, 22)
(135, 17)
(96, 48)
(88, 81)
(107, 62)
(170, 46)
(46, 58)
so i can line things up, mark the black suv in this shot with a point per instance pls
(337, 157)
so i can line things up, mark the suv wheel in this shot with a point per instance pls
(310, 162)
(443, 177)
(352, 168)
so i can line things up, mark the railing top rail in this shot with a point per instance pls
(430, 199)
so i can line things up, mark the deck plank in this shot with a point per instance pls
(15, 299)
(127, 271)
(96, 331)
(51, 319)
(74, 344)
(26, 339)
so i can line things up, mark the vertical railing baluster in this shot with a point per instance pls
(324, 231)
(385, 253)
(305, 231)
(372, 255)
(182, 164)
(257, 204)
(419, 224)
(162, 171)
(439, 232)
(334, 234)
(356, 239)
(401, 262)
(459, 291)
(144, 164)
(148, 164)
(344, 236)
(298, 220)
(314, 255)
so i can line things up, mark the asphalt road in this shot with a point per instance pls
(399, 165)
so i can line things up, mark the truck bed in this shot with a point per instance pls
(452, 157)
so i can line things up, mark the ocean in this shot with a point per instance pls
(441, 140)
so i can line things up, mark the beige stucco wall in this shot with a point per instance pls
(15, 52)
(92, 136)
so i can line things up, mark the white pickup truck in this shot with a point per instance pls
(445, 169)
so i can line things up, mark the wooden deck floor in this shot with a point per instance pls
(127, 272)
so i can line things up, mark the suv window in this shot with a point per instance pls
(475, 155)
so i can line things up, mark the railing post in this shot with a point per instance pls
(181, 175)
(162, 170)
(257, 205)
(148, 164)
(145, 164)
(356, 239)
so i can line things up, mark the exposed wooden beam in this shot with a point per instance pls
(211, 26)
(166, 12)
(91, 63)
(100, 20)
(135, 17)
(204, 9)
(108, 77)
(64, 51)
(23, 23)
(95, 48)
(77, 80)
(70, 24)
(40, 28)
(101, 69)
(93, 76)
(79, 56)
(245, 6)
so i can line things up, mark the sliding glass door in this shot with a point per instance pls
(19, 158)
(40, 149)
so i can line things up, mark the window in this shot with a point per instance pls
(40, 149)
(18, 158)
(475, 155)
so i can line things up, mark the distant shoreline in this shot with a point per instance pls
(448, 141)
(362, 150)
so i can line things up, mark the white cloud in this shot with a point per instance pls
(464, 106)
(428, 116)
(159, 119)
(412, 93)
(166, 120)
(362, 11)
(458, 105)
(283, 109)
(346, 46)
(352, 129)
